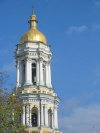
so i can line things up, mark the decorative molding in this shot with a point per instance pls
(26, 58)
(40, 59)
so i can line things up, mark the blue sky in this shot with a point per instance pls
(72, 28)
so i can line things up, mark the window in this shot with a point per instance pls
(34, 117)
(34, 73)
(50, 118)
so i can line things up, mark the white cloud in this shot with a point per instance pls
(70, 104)
(97, 3)
(77, 29)
(96, 27)
(81, 120)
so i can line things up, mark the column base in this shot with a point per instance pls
(49, 86)
(40, 83)
(28, 83)
(18, 85)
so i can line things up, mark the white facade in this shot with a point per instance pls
(33, 60)
(28, 55)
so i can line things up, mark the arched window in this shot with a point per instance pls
(34, 73)
(44, 74)
(34, 117)
(50, 118)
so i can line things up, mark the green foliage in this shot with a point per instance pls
(10, 110)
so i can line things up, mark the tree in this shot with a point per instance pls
(10, 109)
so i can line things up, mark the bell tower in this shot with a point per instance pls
(40, 102)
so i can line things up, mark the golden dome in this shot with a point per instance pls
(33, 35)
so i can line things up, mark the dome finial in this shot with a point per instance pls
(33, 21)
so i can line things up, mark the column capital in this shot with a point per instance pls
(40, 59)
(28, 59)
(18, 61)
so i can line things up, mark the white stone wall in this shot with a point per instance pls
(39, 53)
(43, 106)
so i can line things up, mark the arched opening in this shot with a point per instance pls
(34, 73)
(50, 118)
(34, 117)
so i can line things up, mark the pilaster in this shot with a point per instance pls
(30, 122)
(42, 116)
(49, 74)
(27, 115)
(38, 117)
(37, 72)
(55, 118)
(28, 71)
(18, 73)
(52, 120)
(41, 71)
(46, 116)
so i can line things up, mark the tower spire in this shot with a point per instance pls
(33, 21)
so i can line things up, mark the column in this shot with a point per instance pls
(41, 71)
(56, 118)
(28, 71)
(23, 116)
(52, 119)
(46, 116)
(17, 78)
(27, 115)
(20, 73)
(30, 122)
(42, 116)
(37, 72)
(38, 117)
(47, 74)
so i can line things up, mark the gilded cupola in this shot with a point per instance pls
(33, 34)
